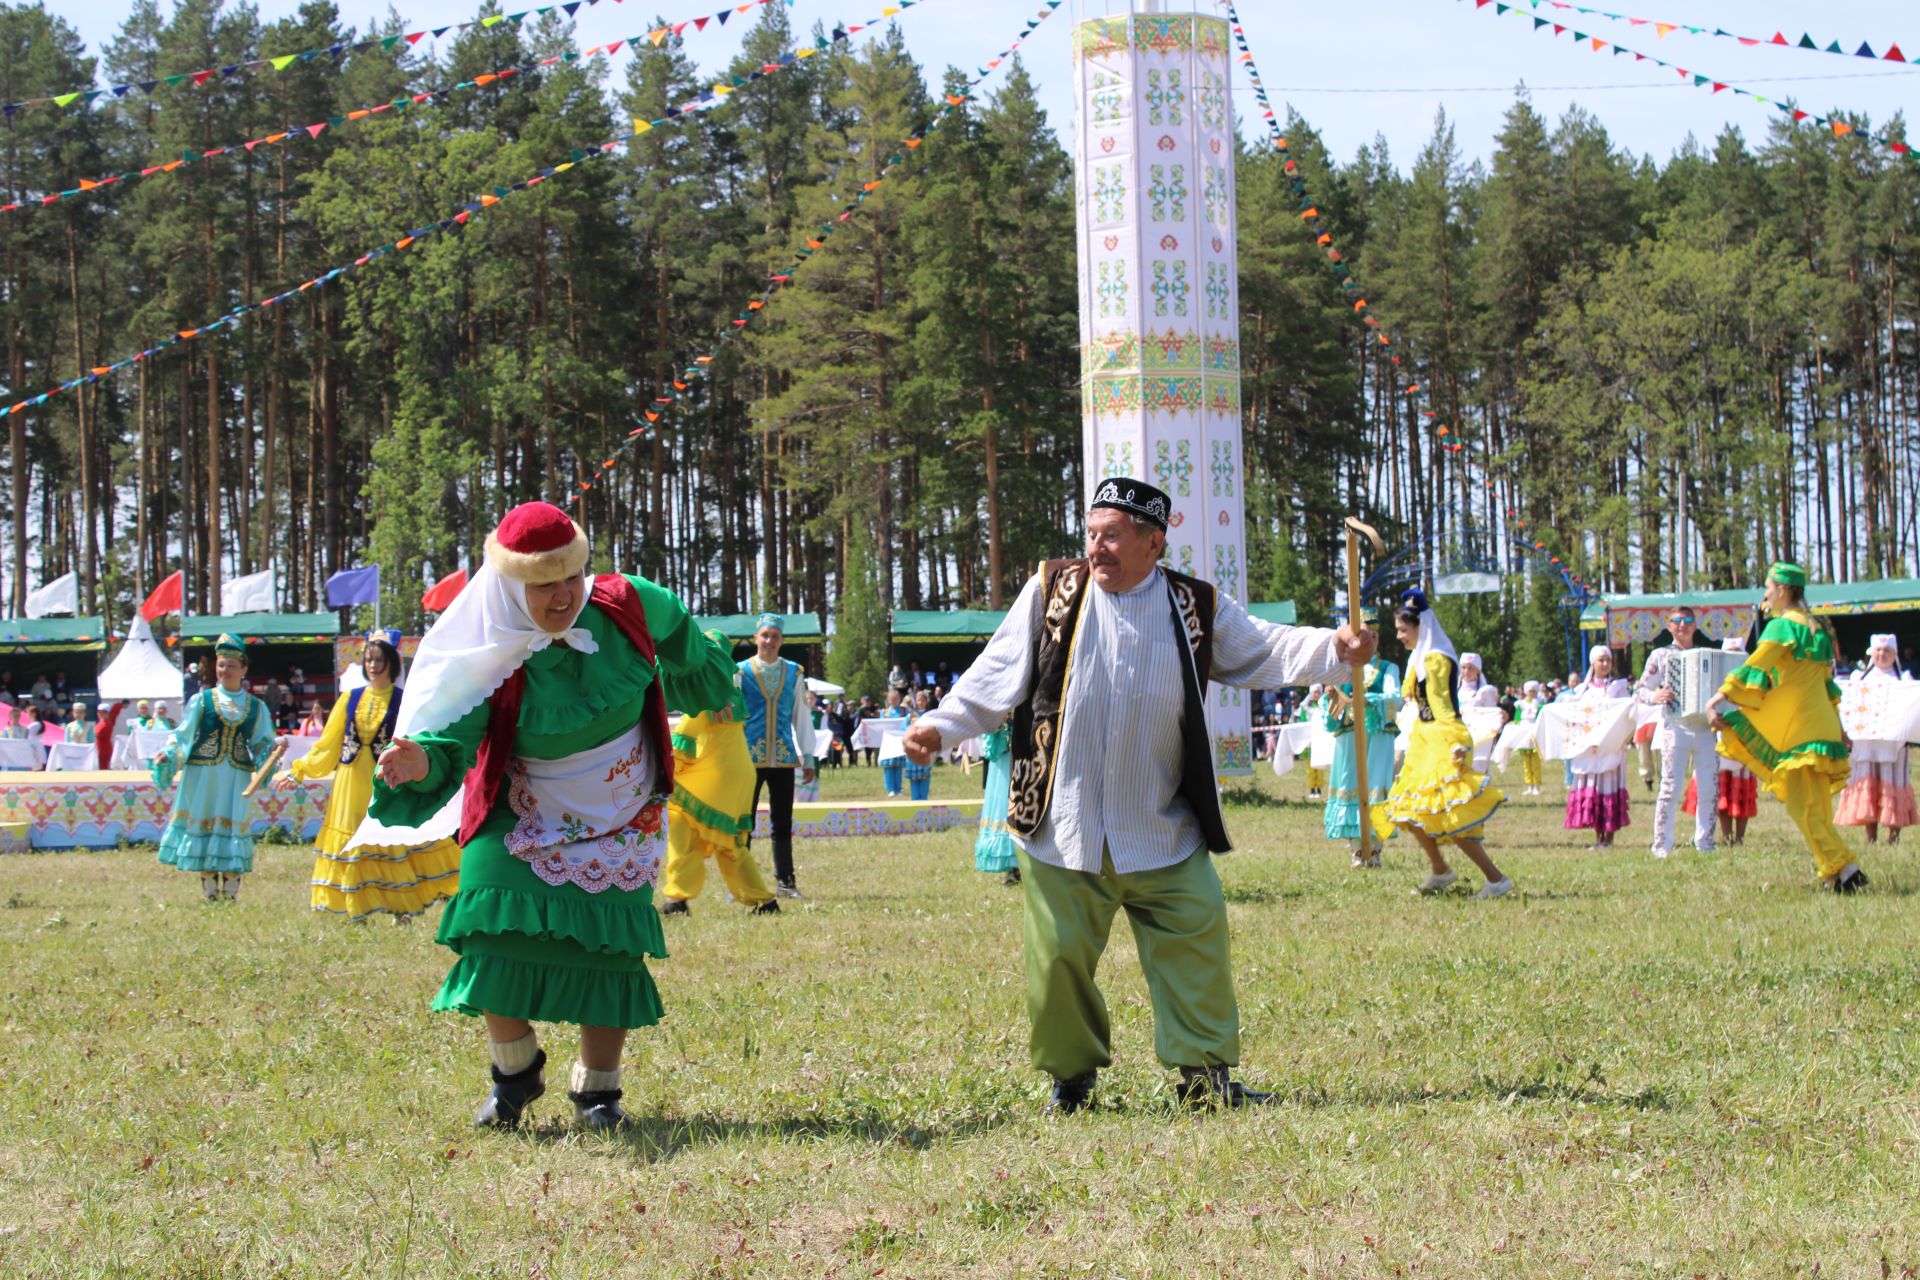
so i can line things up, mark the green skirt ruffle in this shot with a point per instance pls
(546, 953)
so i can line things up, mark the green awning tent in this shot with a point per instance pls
(54, 635)
(797, 628)
(1639, 618)
(945, 626)
(261, 628)
(1281, 612)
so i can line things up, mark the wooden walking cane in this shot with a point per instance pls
(1359, 702)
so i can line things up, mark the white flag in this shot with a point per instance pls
(62, 595)
(251, 594)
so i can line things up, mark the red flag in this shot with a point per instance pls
(445, 591)
(166, 598)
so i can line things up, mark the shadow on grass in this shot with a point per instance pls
(1250, 797)
(1582, 1093)
(1259, 895)
(656, 1138)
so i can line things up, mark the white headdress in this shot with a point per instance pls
(1432, 638)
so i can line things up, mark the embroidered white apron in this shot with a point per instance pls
(592, 818)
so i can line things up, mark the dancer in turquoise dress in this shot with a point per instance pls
(919, 776)
(224, 736)
(1342, 815)
(993, 848)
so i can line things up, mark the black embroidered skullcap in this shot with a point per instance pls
(1136, 498)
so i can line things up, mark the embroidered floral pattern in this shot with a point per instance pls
(1110, 286)
(1164, 97)
(1170, 288)
(1109, 193)
(1212, 99)
(573, 853)
(1167, 191)
(1216, 288)
(1109, 99)
(1174, 467)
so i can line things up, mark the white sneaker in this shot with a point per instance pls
(1495, 889)
(1435, 883)
(1662, 853)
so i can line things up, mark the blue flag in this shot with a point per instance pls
(354, 586)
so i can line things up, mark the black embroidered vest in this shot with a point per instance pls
(1036, 722)
(350, 745)
(1419, 688)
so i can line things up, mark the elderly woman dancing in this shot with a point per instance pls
(536, 726)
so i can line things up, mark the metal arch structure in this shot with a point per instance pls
(1456, 546)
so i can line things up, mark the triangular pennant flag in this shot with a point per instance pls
(284, 61)
(1835, 48)
(313, 130)
(1865, 51)
(1893, 54)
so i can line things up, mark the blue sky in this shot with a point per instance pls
(1430, 53)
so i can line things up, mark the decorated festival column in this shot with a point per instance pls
(1159, 291)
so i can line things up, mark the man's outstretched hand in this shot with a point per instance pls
(1355, 647)
(922, 743)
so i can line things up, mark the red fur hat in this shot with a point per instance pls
(537, 542)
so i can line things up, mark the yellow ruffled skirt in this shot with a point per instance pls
(403, 882)
(1437, 790)
(400, 881)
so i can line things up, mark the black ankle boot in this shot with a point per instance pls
(598, 1109)
(1204, 1088)
(1074, 1093)
(511, 1094)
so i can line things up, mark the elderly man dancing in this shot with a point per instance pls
(1103, 663)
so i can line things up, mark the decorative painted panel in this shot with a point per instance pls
(1159, 306)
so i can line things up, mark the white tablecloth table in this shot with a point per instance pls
(298, 744)
(18, 753)
(72, 757)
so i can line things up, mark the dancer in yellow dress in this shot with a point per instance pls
(367, 881)
(711, 810)
(1438, 798)
(1778, 716)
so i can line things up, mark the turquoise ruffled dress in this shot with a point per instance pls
(220, 742)
(993, 848)
(527, 948)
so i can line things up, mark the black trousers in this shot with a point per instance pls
(779, 785)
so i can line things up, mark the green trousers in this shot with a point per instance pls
(1179, 919)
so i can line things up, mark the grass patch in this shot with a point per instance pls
(1630, 1068)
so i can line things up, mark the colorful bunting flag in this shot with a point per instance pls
(1840, 127)
(313, 131)
(280, 62)
(1664, 29)
(1444, 433)
(234, 317)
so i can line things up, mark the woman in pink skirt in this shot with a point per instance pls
(1879, 792)
(1598, 797)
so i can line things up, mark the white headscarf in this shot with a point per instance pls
(477, 643)
(1873, 671)
(1432, 639)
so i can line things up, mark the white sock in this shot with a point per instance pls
(586, 1080)
(514, 1056)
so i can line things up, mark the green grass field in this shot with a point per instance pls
(1702, 1067)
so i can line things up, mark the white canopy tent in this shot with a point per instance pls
(141, 670)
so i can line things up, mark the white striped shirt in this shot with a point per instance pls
(1116, 783)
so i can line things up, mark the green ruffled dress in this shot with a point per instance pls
(526, 948)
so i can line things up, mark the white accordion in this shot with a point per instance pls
(1695, 676)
